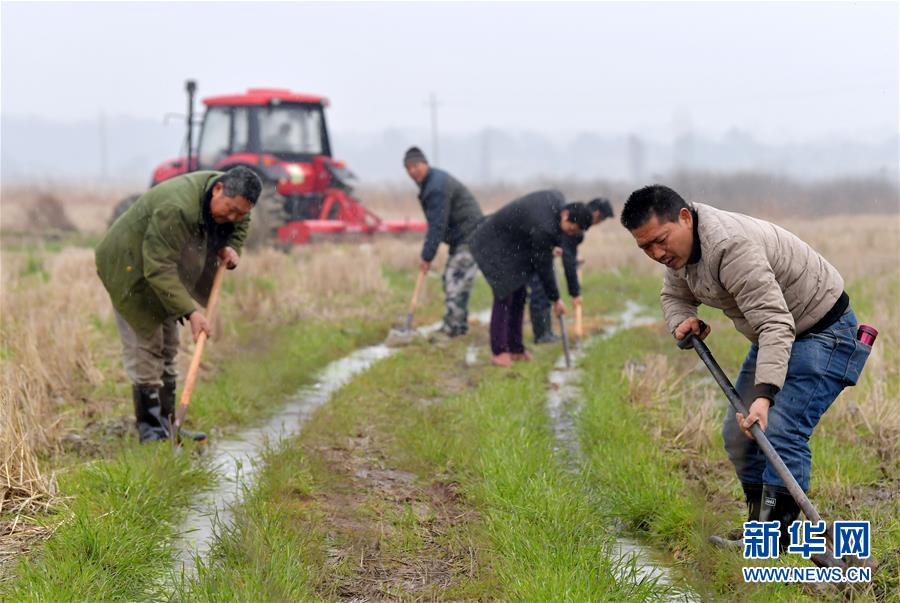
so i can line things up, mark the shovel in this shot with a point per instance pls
(579, 327)
(420, 280)
(181, 409)
(565, 340)
(404, 336)
(691, 340)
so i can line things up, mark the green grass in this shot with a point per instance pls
(263, 555)
(114, 539)
(550, 541)
(250, 384)
(533, 532)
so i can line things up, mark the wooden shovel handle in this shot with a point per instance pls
(420, 280)
(181, 411)
(579, 329)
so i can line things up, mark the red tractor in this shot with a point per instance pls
(283, 137)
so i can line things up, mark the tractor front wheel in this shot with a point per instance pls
(121, 207)
(267, 217)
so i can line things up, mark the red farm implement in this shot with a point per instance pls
(283, 137)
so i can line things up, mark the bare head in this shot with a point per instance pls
(661, 223)
(234, 194)
(601, 209)
(575, 218)
(416, 164)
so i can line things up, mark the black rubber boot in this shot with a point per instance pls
(148, 414)
(542, 326)
(778, 504)
(735, 538)
(167, 399)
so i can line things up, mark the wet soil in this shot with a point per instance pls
(392, 535)
(387, 531)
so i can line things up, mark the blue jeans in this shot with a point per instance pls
(820, 367)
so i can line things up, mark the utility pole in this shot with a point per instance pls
(433, 105)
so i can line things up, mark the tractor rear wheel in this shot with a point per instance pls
(121, 207)
(267, 217)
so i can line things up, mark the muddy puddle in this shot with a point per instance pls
(236, 461)
(563, 405)
(472, 355)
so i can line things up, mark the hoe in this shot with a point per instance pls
(691, 340)
(181, 409)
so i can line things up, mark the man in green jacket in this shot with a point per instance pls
(156, 261)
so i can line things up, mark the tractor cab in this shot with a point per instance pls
(279, 133)
(283, 137)
(287, 126)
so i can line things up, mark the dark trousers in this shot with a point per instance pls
(506, 323)
(537, 301)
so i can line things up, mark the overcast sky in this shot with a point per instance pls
(781, 71)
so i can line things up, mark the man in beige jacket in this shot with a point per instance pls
(782, 296)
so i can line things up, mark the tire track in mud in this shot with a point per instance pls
(236, 460)
(390, 534)
(563, 405)
(368, 517)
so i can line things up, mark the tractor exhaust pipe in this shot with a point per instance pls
(191, 87)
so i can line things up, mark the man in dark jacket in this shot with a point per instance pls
(512, 244)
(538, 304)
(452, 214)
(157, 259)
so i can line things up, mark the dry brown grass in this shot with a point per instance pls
(866, 250)
(860, 246)
(56, 327)
(316, 282)
(49, 348)
(86, 209)
(653, 384)
(610, 247)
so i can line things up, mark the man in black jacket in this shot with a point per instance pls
(452, 214)
(512, 244)
(538, 304)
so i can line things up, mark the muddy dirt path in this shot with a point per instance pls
(392, 535)
(368, 556)
(387, 533)
(236, 460)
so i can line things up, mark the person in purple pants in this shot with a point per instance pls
(509, 246)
